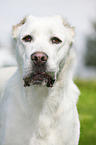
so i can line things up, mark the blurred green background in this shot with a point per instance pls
(87, 111)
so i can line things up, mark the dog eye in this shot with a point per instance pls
(27, 38)
(55, 40)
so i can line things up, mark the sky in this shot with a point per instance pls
(79, 13)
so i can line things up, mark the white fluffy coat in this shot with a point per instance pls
(38, 115)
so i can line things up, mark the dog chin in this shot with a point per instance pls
(40, 79)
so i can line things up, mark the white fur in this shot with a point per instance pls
(38, 115)
(5, 74)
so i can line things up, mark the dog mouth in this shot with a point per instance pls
(39, 79)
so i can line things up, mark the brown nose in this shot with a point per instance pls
(39, 58)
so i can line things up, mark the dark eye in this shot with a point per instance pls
(27, 38)
(55, 40)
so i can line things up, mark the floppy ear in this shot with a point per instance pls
(16, 28)
(71, 31)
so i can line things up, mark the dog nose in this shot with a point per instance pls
(39, 58)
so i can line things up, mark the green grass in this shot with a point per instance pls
(87, 112)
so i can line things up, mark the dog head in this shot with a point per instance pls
(42, 45)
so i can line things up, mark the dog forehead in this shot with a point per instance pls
(38, 23)
(43, 20)
(43, 26)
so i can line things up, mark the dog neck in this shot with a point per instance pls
(37, 91)
(34, 98)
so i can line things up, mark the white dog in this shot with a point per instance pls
(38, 104)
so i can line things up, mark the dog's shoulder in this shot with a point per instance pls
(5, 75)
(14, 81)
(11, 86)
(74, 91)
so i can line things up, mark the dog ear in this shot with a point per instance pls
(17, 28)
(71, 31)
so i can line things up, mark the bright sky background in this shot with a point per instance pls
(79, 13)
